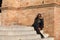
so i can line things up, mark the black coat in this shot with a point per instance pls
(38, 23)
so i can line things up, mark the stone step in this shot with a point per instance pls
(18, 37)
(46, 35)
(21, 35)
(29, 37)
(24, 38)
(50, 38)
(16, 33)
(17, 28)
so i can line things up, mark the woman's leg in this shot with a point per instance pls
(41, 35)
(38, 32)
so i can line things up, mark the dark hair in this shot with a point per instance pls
(37, 16)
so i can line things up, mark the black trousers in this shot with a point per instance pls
(38, 32)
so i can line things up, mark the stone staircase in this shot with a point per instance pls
(20, 33)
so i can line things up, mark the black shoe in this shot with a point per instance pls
(42, 37)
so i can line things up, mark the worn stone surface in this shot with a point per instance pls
(58, 2)
(9, 17)
(49, 1)
(22, 3)
(57, 23)
(16, 32)
(25, 3)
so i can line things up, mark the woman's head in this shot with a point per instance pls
(38, 16)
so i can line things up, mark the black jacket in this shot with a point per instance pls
(38, 23)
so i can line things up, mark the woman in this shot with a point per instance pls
(38, 24)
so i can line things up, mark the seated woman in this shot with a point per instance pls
(39, 24)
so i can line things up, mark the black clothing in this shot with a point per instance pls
(0, 4)
(38, 23)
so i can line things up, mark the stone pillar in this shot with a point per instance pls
(57, 23)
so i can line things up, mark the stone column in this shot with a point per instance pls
(57, 23)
